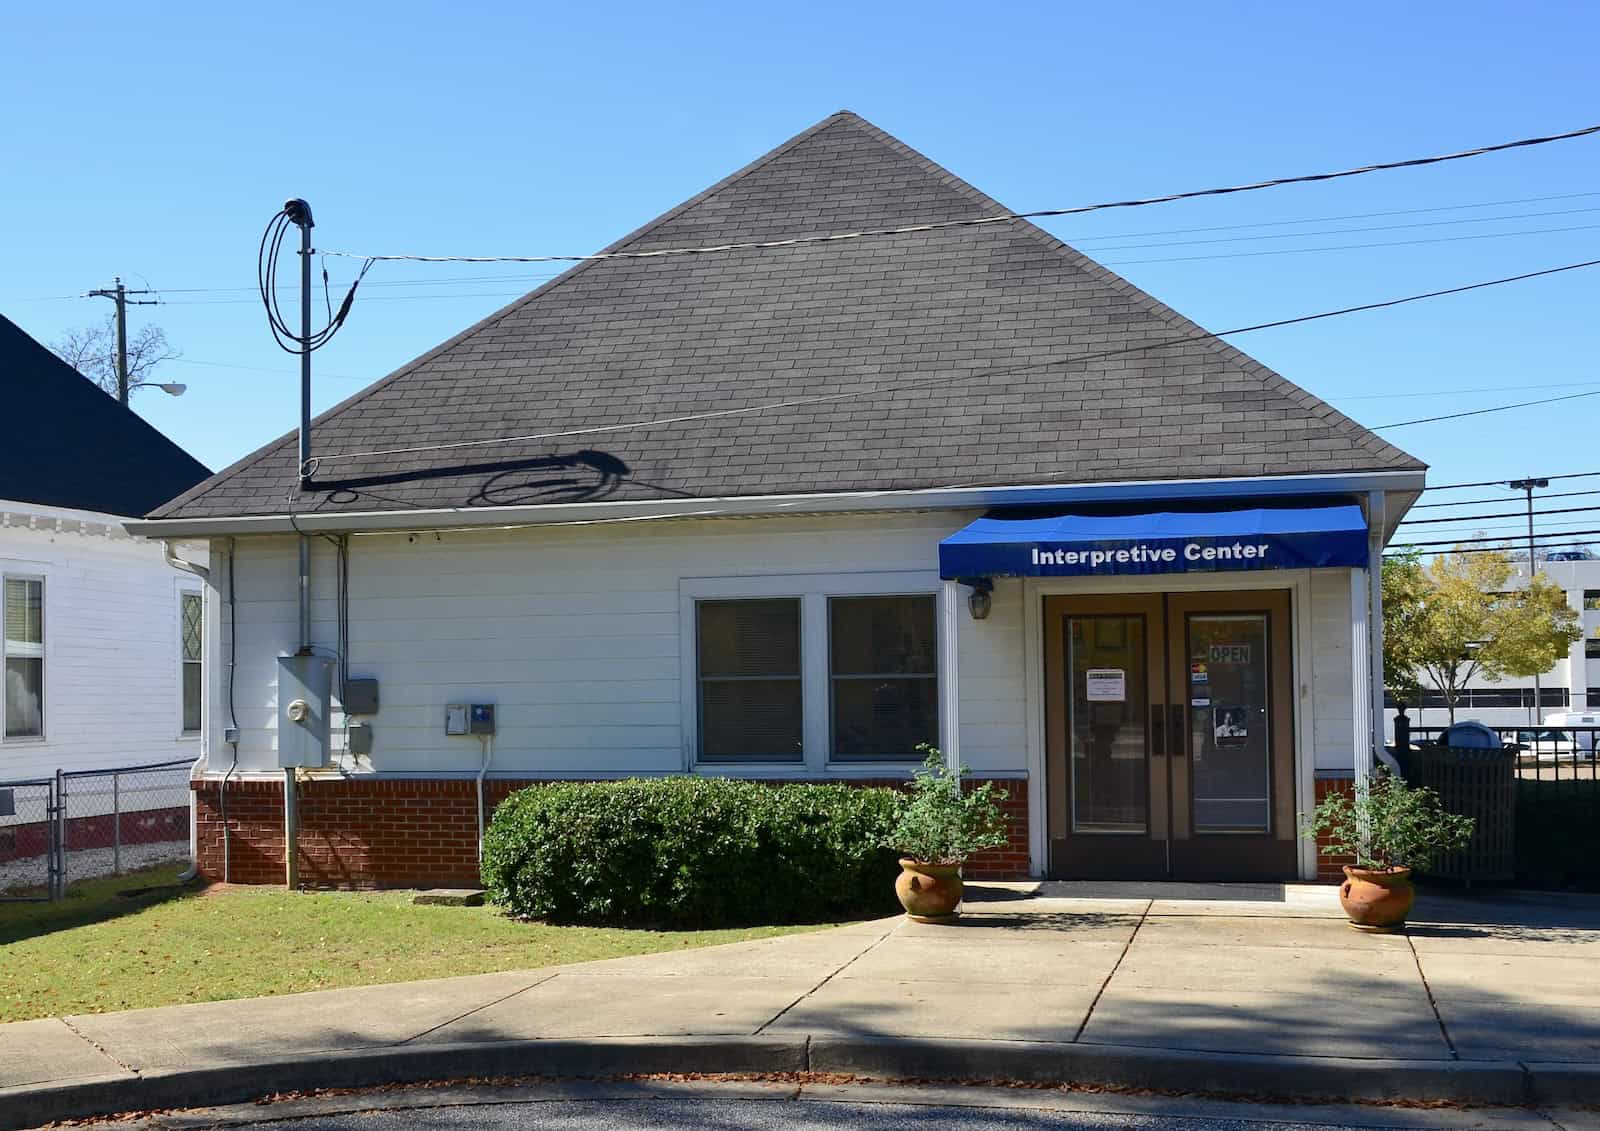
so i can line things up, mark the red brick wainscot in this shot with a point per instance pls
(1328, 867)
(418, 832)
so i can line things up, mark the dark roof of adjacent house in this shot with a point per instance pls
(985, 355)
(65, 443)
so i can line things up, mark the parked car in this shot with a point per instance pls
(1583, 738)
(1548, 745)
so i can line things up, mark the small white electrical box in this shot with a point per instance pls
(455, 718)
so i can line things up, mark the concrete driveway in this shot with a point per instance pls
(1230, 971)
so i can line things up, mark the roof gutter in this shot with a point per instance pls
(833, 502)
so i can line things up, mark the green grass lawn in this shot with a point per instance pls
(98, 950)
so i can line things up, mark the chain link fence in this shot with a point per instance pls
(84, 824)
(28, 844)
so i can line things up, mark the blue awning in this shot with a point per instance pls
(1188, 541)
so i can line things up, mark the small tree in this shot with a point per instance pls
(1388, 824)
(943, 823)
(1453, 620)
(92, 351)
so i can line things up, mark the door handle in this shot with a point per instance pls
(1179, 726)
(1158, 730)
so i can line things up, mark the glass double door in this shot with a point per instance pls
(1170, 736)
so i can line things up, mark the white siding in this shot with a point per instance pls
(1333, 707)
(113, 694)
(574, 633)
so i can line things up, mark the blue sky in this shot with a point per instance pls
(156, 141)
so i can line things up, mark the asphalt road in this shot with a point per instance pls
(725, 1107)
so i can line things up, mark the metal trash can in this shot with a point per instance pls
(1474, 776)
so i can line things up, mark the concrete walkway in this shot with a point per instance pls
(1242, 988)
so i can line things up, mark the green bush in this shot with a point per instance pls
(691, 851)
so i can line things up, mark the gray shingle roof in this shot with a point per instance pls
(65, 443)
(916, 319)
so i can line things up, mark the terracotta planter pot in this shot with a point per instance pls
(930, 893)
(1377, 901)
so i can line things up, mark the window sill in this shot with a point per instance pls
(24, 740)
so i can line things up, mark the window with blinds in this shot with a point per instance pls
(192, 623)
(23, 648)
(751, 702)
(884, 663)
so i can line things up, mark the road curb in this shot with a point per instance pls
(1234, 1074)
(207, 1085)
(1157, 1069)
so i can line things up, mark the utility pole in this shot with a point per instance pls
(119, 295)
(1527, 487)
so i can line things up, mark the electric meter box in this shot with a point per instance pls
(305, 695)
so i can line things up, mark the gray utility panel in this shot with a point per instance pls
(305, 697)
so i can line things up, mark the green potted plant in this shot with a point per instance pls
(940, 826)
(1390, 828)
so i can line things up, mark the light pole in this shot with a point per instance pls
(1527, 486)
(119, 295)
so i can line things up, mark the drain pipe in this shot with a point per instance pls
(483, 771)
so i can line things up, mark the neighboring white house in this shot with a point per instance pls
(100, 651)
(785, 513)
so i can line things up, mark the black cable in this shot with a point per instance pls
(1471, 518)
(1470, 541)
(1485, 502)
(1198, 334)
(1484, 411)
(1169, 198)
(267, 279)
(1504, 482)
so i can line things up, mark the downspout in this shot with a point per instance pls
(173, 560)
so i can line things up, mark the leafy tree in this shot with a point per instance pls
(1404, 586)
(1453, 620)
(92, 351)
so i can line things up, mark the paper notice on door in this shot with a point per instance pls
(1106, 685)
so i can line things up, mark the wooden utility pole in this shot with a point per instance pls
(119, 295)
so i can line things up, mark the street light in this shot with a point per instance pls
(171, 388)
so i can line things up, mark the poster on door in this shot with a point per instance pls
(1105, 685)
(1230, 726)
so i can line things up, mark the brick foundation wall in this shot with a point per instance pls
(1328, 867)
(410, 832)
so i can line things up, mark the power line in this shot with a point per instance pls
(1503, 482)
(458, 280)
(1342, 231)
(1501, 514)
(1005, 218)
(961, 376)
(1331, 219)
(1460, 389)
(1350, 246)
(1559, 544)
(1482, 411)
(1472, 541)
(1484, 502)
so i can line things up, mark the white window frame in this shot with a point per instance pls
(195, 591)
(44, 655)
(816, 685)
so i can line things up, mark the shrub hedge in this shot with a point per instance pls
(692, 851)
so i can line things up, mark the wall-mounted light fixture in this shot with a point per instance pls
(980, 599)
